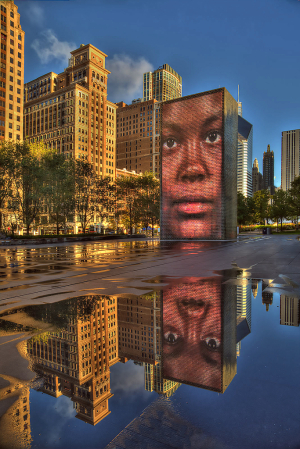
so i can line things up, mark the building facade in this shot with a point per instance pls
(257, 178)
(244, 158)
(11, 73)
(138, 136)
(268, 170)
(163, 84)
(290, 157)
(70, 112)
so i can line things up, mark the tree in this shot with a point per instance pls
(147, 201)
(127, 187)
(105, 198)
(59, 188)
(295, 198)
(23, 167)
(261, 206)
(85, 192)
(281, 206)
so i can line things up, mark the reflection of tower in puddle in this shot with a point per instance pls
(15, 428)
(76, 361)
(267, 297)
(289, 310)
(199, 332)
(243, 301)
(154, 381)
(254, 287)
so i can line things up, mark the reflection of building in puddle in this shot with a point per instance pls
(254, 287)
(266, 297)
(154, 381)
(139, 327)
(139, 321)
(243, 306)
(76, 360)
(289, 310)
(199, 332)
(15, 428)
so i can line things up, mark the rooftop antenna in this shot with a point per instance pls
(238, 93)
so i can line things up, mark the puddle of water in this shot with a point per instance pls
(110, 357)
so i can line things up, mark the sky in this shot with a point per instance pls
(211, 44)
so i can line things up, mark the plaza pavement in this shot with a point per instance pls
(36, 275)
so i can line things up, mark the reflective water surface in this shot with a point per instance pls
(202, 361)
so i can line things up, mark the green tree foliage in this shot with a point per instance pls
(281, 207)
(85, 192)
(59, 188)
(22, 170)
(147, 200)
(261, 206)
(139, 200)
(126, 191)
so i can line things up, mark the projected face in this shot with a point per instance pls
(192, 332)
(191, 167)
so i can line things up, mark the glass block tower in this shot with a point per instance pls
(163, 84)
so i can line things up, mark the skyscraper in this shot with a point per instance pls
(257, 178)
(268, 170)
(290, 157)
(244, 159)
(11, 73)
(70, 111)
(163, 84)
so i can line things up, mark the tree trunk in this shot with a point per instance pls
(27, 229)
(130, 222)
(152, 226)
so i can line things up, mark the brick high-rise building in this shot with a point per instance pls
(138, 136)
(70, 111)
(11, 73)
(138, 124)
(163, 84)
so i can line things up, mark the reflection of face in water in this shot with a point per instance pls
(191, 167)
(192, 332)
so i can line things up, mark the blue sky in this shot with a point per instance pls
(209, 43)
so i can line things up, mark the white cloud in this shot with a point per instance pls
(48, 47)
(126, 78)
(35, 13)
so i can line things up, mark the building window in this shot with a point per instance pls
(11, 60)
(10, 135)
